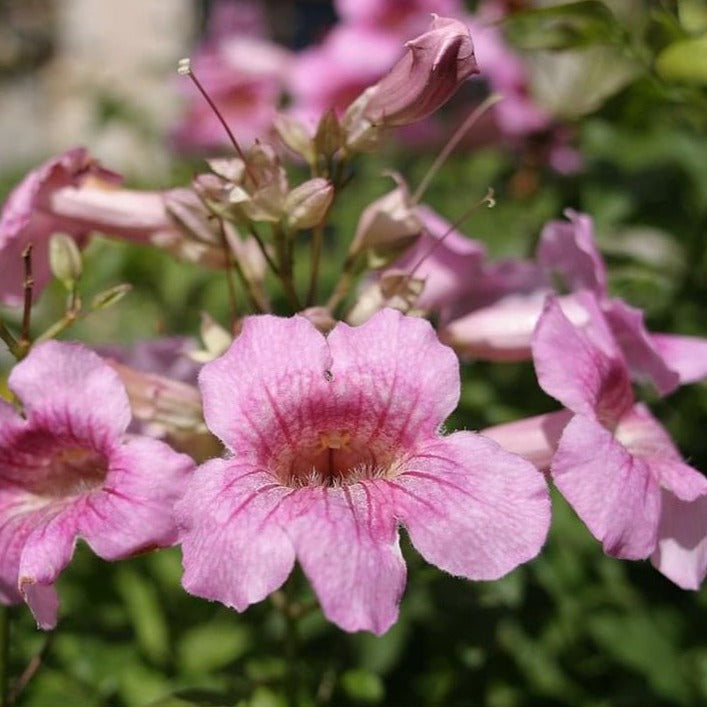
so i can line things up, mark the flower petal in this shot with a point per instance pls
(534, 438)
(681, 554)
(471, 508)
(90, 405)
(43, 602)
(233, 549)
(613, 492)
(583, 373)
(405, 381)
(686, 355)
(639, 347)
(253, 394)
(133, 510)
(347, 542)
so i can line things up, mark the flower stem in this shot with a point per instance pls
(317, 239)
(4, 654)
(453, 142)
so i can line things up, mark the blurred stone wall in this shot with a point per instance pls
(101, 73)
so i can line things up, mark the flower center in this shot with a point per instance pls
(335, 457)
(71, 471)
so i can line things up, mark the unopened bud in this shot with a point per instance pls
(428, 75)
(330, 135)
(65, 259)
(320, 317)
(111, 296)
(307, 205)
(295, 135)
(386, 227)
(215, 338)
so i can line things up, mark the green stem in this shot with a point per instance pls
(4, 654)
(284, 257)
(10, 341)
(343, 286)
(317, 239)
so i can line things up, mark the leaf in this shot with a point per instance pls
(572, 83)
(574, 24)
(684, 60)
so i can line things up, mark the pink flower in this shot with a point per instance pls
(67, 472)
(334, 441)
(333, 73)
(432, 69)
(27, 218)
(615, 464)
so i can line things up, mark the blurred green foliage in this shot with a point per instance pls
(572, 627)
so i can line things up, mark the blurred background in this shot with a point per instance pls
(606, 112)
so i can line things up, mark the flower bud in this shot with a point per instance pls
(428, 75)
(307, 204)
(295, 135)
(386, 227)
(329, 136)
(65, 259)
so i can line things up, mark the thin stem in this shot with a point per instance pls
(190, 73)
(284, 271)
(343, 286)
(316, 256)
(4, 654)
(228, 255)
(10, 341)
(264, 251)
(453, 142)
(31, 670)
(27, 308)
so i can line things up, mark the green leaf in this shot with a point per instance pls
(572, 83)
(363, 685)
(211, 646)
(574, 24)
(684, 60)
(145, 611)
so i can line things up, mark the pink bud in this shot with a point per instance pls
(426, 77)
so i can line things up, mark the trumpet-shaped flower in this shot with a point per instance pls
(615, 464)
(334, 442)
(68, 472)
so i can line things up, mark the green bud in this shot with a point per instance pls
(111, 296)
(65, 259)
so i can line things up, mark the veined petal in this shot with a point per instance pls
(347, 543)
(233, 549)
(585, 377)
(613, 492)
(267, 385)
(90, 403)
(132, 511)
(681, 554)
(406, 380)
(471, 508)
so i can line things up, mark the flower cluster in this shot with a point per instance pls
(314, 437)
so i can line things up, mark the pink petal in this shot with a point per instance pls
(573, 369)
(90, 404)
(233, 549)
(43, 601)
(643, 436)
(471, 508)
(534, 438)
(253, 394)
(681, 554)
(133, 510)
(639, 347)
(613, 492)
(570, 250)
(396, 372)
(347, 542)
(686, 355)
